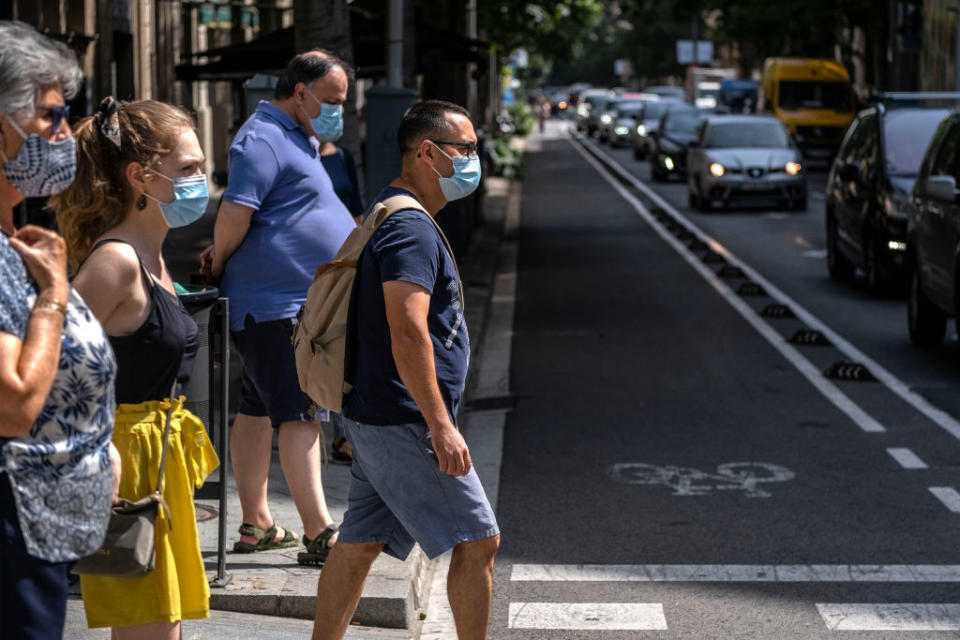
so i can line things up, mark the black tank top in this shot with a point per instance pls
(161, 348)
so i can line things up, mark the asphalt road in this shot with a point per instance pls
(673, 468)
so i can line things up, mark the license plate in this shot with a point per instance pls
(756, 186)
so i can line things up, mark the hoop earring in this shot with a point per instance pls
(142, 202)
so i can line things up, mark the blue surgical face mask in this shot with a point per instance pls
(41, 167)
(465, 178)
(190, 197)
(329, 124)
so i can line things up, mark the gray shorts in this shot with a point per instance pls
(398, 495)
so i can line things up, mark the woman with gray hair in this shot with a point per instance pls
(56, 366)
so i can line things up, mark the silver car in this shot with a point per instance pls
(739, 160)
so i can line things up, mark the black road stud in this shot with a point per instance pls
(712, 257)
(777, 310)
(852, 371)
(751, 289)
(731, 271)
(809, 338)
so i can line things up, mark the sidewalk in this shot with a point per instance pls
(271, 584)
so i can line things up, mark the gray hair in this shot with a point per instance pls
(29, 63)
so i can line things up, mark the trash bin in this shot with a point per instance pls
(199, 301)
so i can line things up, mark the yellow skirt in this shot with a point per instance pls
(177, 587)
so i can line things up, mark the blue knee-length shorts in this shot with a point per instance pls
(398, 495)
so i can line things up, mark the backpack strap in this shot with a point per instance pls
(401, 203)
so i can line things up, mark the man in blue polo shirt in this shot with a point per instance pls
(280, 219)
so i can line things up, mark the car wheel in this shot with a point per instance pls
(926, 322)
(837, 265)
(657, 173)
(800, 205)
(877, 282)
(636, 154)
(702, 203)
(692, 199)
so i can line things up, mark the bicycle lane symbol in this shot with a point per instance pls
(730, 476)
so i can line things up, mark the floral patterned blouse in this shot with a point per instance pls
(60, 471)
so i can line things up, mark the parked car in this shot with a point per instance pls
(647, 122)
(812, 97)
(587, 102)
(745, 159)
(933, 237)
(739, 95)
(678, 127)
(868, 192)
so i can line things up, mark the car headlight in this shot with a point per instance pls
(621, 130)
(668, 163)
(641, 130)
(606, 118)
(717, 170)
(793, 168)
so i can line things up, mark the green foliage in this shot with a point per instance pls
(509, 162)
(523, 118)
(553, 28)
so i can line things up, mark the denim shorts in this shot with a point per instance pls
(398, 495)
(269, 384)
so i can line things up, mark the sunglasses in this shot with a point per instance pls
(471, 147)
(56, 114)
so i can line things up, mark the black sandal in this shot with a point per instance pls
(266, 540)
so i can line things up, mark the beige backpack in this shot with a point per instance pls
(320, 337)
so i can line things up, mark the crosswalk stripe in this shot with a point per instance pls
(588, 616)
(734, 573)
(948, 496)
(890, 617)
(907, 458)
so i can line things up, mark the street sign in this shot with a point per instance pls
(685, 51)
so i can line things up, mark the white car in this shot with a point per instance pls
(740, 160)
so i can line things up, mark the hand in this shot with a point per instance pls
(207, 262)
(45, 255)
(451, 449)
(117, 469)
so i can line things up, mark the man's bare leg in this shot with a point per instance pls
(251, 446)
(299, 444)
(339, 587)
(470, 586)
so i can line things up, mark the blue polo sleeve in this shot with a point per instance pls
(252, 171)
(406, 249)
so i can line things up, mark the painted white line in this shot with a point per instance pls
(907, 458)
(900, 388)
(588, 616)
(818, 254)
(890, 617)
(923, 573)
(948, 496)
(809, 371)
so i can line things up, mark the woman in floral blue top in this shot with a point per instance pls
(56, 366)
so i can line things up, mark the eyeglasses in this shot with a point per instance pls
(57, 114)
(471, 147)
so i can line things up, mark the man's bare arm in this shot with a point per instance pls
(233, 222)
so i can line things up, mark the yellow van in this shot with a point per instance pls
(812, 97)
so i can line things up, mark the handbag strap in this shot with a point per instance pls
(166, 439)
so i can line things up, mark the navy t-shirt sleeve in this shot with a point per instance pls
(406, 248)
(253, 170)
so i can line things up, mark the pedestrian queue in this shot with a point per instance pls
(57, 474)
(140, 172)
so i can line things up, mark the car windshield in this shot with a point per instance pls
(654, 110)
(815, 95)
(906, 136)
(629, 111)
(683, 122)
(747, 134)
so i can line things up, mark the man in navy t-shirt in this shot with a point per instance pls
(412, 480)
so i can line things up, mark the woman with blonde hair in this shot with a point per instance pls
(139, 173)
